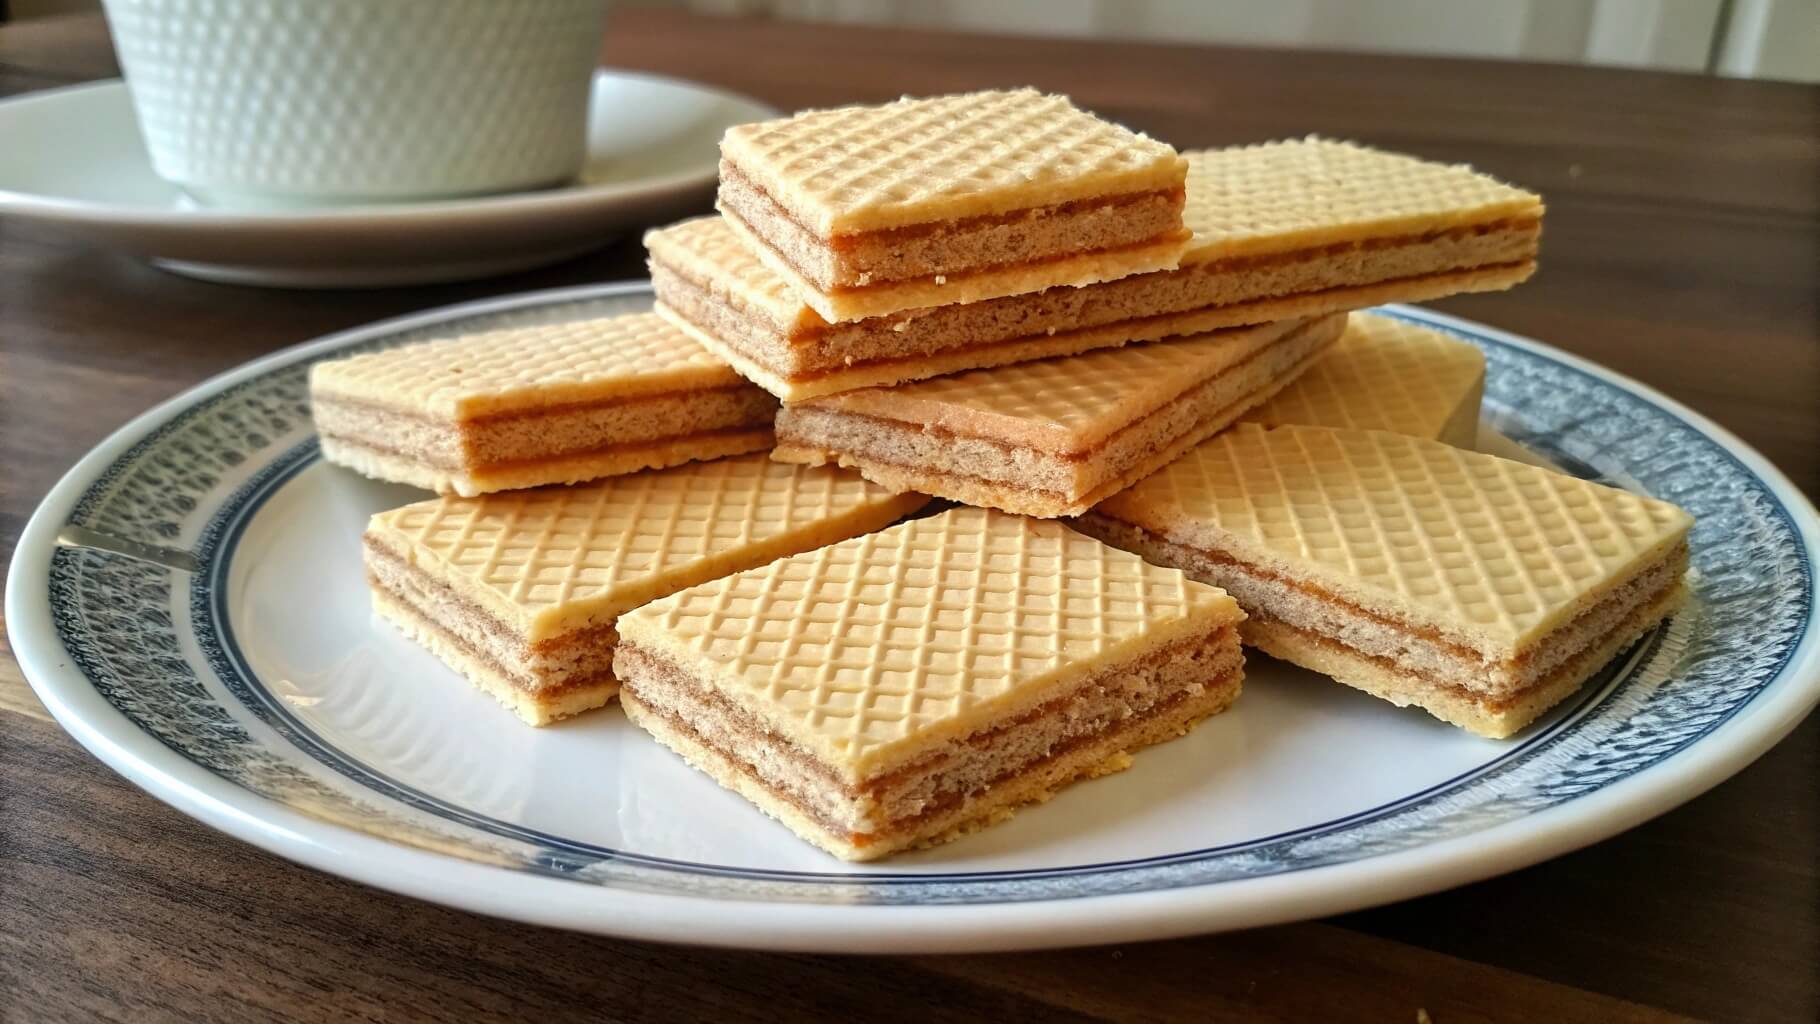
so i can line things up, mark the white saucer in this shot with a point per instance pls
(74, 157)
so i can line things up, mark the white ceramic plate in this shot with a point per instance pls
(74, 157)
(189, 602)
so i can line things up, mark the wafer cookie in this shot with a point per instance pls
(526, 406)
(908, 686)
(1285, 230)
(1482, 590)
(519, 591)
(925, 202)
(1053, 437)
(1387, 374)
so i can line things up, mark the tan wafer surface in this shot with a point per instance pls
(708, 250)
(1488, 551)
(1068, 404)
(1283, 196)
(1387, 374)
(916, 161)
(871, 649)
(554, 559)
(523, 368)
(1273, 197)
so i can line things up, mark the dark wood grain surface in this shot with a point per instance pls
(1682, 248)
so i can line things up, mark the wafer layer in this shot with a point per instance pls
(1052, 438)
(1469, 580)
(909, 685)
(1298, 195)
(1359, 229)
(1388, 374)
(870, 210)
(520, 591)
(522, 407)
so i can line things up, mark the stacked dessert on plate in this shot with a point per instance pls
(1137, 373)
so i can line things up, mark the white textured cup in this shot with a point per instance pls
(262, 102)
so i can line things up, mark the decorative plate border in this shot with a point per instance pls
(123, 622)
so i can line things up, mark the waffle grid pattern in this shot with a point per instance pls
(546, 548)
(1246, 194)
(1073, 398)
(906, 161)
(452, 375)
(867, 642)
(1474, 538)
(1384, 374)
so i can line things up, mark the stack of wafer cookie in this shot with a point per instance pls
(1285, 230)
(1002, 300)
(585, 468)
(1004, 278)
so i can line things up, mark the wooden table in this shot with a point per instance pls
(1683, 248)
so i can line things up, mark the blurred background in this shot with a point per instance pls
(1773, 39)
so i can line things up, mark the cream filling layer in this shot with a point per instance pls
(1144, 302)
(574, 658)
(595, 428)
(954, 771)
(1414, 651)
(1064, 474)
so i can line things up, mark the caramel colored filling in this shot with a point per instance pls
(957, 276)
(542, 694)
(849, 240)
(934, 762)
(1074, 207)
(1234, 264)
(1088, 452)
(600, 638)
(1115, 477)
(1571, 667)
(745, 767)
(754, 731)
(1241, 264)
(449, 466)
(810, 336)
(907, 825)
(804, 350)
(1429, 634)
(528, 412)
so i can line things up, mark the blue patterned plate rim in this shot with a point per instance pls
(534, 877)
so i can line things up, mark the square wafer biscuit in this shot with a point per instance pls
(519, 591)
(1296, 195)
(1281, 231)
(1482, 590)
(908, 686)
(925, 202)
(1053, 437)
(1388, 374)
(526, 406)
